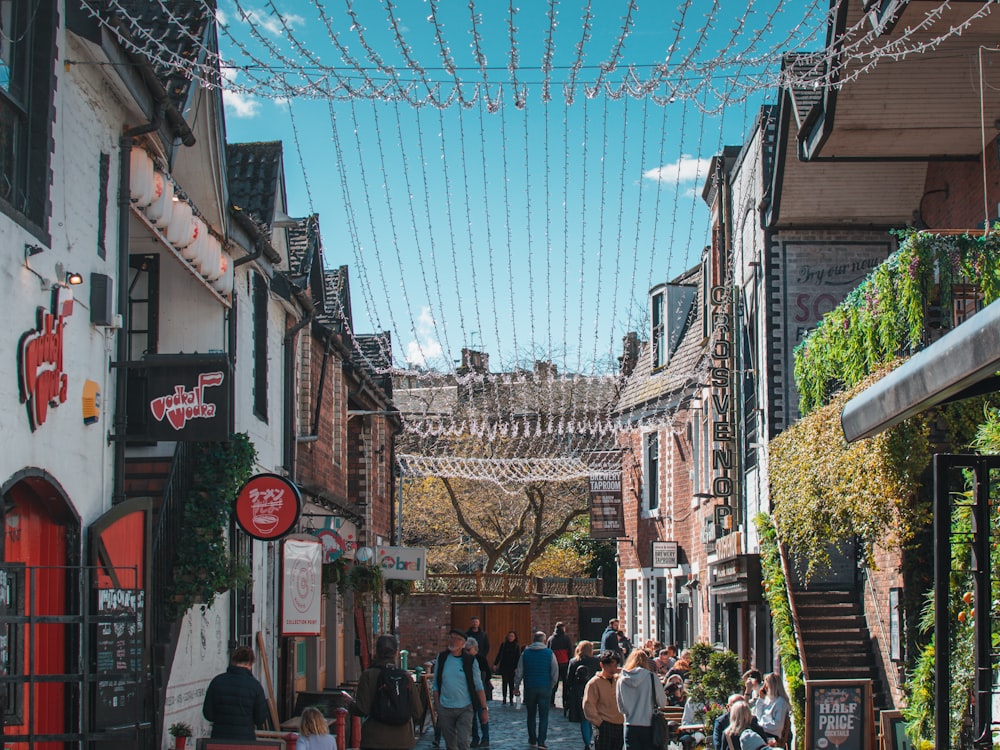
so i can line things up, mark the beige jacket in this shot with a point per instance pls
(599, 702)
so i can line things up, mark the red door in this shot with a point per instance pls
(36, 529)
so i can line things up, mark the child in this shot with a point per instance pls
(315, 732)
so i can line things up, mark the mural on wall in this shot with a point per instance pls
(816, 276)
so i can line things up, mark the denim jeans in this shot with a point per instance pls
(536, 700)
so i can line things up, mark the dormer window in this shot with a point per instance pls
(671, 306)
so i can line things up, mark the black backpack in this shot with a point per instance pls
(392, 703)
(582, 673)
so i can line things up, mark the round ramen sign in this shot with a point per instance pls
(268, 506)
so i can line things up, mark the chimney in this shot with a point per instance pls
(473, 361)
(630, 353)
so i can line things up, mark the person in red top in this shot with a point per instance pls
(562, 647)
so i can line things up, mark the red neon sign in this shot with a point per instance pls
(40, 360)
(181, 405)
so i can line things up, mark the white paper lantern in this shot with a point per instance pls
(161, 209)
(212, 268)
(224, 284)
(141, 177)
(180, 228)
(193, 250)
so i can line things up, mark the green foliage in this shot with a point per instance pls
(399, 587)
(204, 566)
(180, 729)
(365, 579)
(714, 676)
(886, 316)
(776, 594)
(826, 491)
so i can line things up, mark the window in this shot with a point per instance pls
(260, 300)
(658, 333)
(652, 471)
(26, 81)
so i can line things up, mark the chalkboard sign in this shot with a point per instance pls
(11, 642)
(839, 715)
(120, 655)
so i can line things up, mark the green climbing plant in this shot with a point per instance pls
(204, 566)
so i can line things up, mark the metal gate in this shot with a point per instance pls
(102, 685)
(951, 474)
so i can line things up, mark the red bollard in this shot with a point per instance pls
(355, 731)
(340, 726)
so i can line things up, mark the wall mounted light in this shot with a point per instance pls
(30, 251)
(72, 279)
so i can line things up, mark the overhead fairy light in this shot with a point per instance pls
(380, 81)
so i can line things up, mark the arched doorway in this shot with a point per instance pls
(40, 555)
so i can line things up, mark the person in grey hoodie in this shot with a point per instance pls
(636, 691)
(540, 672)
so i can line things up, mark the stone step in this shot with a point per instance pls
(841, 624)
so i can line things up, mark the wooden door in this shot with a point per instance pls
(497, 619)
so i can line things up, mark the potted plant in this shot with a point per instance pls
(180, 731)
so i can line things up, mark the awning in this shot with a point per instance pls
(963, 363)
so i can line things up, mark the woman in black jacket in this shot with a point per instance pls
(505, 664)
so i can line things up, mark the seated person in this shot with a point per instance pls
(674, 688)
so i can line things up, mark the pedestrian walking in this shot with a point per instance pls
(234, 701)
(609, 639)
(506, 664)
(600, 704)
(476, 631)
(582, 667)
(561, 646)
(458, 692)
(538, 669)
(380, 732)
(480, 729)
(637, 690)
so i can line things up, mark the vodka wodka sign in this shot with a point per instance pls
(188, 397)
(43, 381)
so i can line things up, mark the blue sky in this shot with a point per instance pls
(524, 228)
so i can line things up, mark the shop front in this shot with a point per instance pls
(739, 620)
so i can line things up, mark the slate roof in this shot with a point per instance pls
(645, 392)
(337, 313)
(187, 30)
(254, 171)
(804, 68)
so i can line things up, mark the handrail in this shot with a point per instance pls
(782, 555)
(881, 625)
(166, 536)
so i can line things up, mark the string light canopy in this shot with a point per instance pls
(514, 180)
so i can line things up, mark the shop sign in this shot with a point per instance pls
(723, 434)
(339, 537)
(300, 586)
(729, 546)
(402, 563)
(189, 400)
(664, 554)
(43, 382)
(268, 507)
(607, 519)
(839, 714)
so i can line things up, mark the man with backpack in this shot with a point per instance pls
(458, 691)
(390, 700)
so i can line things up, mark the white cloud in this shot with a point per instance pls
(240, 105)
(271, 23)
(237, 103)
(425, 347)
(685, 169)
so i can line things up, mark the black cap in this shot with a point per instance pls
(456, 631)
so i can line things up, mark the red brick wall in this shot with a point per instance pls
(962, 207)
(315, 465)
(886, 574)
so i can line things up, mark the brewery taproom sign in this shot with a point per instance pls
(43, 382)
(607, 519)
(268, 507)
(723, 435)
(188, 398)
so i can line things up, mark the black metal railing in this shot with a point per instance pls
(165, 536)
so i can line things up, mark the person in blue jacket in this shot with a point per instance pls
(538, 669)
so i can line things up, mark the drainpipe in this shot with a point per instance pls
(290, 389)
(121, 352)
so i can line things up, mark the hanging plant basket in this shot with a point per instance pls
(365, 579)
(398, 587)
